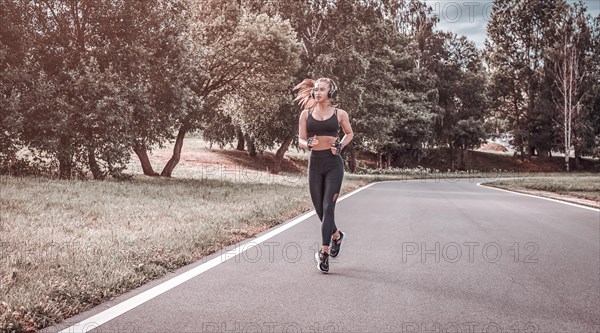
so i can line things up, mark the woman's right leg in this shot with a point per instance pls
(316, 184)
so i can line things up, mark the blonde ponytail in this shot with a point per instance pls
(304, 94)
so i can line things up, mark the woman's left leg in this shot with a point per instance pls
(333, 185)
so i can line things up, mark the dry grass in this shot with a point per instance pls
(586, 186)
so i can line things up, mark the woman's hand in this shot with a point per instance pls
(311, 142)
(336, 147)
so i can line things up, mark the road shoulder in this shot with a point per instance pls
(551, 195)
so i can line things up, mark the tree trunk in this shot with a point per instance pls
(250, 144)
(461, 164)
(65, 159)
(168, 170)
(452, 159)
(568, 79)
(96, 172)
(142, 154)
(240, 137)
(279, 155)
(522, 152)
(577, 161)
(379, 162)
(352, 160)
(65, 166)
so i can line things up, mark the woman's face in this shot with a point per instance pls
(321, 90)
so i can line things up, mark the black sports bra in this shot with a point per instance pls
(329, 127)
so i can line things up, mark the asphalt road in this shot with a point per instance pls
(421, 256)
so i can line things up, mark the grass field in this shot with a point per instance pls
(586, 186)
(66, 246)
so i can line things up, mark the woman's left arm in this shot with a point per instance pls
(348, 134)
(347, 128)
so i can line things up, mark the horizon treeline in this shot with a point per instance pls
(83, 84)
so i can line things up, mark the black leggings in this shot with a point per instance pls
(325, 175)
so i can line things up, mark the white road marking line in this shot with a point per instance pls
(119, 309)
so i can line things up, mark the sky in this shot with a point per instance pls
(470, 17)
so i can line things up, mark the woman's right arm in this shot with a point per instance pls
(302, 133)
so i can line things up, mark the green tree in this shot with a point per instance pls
(396, 120)
(460, 82)
(514, 52)
(593, 101)
(263, 110)
(467, 134)
(236, 49)
(569, 53)
(317, 25)
(387, 93)
(97, 80)
(15, 39)
(61, 114)
(148, 45)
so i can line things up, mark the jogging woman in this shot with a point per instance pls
(319, 125)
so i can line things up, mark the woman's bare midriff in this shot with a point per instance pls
(325, 142)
